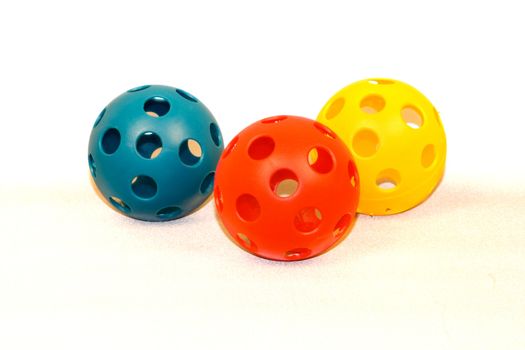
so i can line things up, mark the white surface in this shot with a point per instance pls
(74, 274)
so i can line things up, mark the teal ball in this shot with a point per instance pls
(153, 152)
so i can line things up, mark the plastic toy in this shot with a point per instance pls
(397, 139)
(286, 188)
(153, 153)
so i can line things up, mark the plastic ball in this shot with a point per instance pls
(286, 188)
(153, 152)
(397, 139)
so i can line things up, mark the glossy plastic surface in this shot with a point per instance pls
(153, 153)
(286, 188)
(397, 139)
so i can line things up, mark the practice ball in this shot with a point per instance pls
(286, 188)
(153, 152)
(397, 139)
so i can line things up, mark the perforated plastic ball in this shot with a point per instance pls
(153, 152)
(397, 139)
(286, 188)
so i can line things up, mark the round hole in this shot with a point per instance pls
(190, 152)
(119, 204)
(365, 143)
(149, 145)
(412, 117)
(284, 183)
(352, 170)
(428, 156)
(207, 183)
(156, 107)
(320, 160)
(144, 186)
(99, 118)
(248, 207)
(245, 242)
(261, 147)
(298, 254)
(325, 130)
(342, 225)
(372, 104)
(169, 213)
(219, 202)
(110, 141)
(215, 134)
(92, 166)
(308, 219)
(139, 88)
(187, 95)
(388, 179)
(273, 120)
(335, 108)
(230, 147)
(381, 81)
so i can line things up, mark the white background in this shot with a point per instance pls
(449, 274)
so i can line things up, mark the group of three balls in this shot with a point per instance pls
(285, 188)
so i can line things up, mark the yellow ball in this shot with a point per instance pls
(397, 139)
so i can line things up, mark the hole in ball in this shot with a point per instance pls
(110, 141)
(92, 166)
(230, 147)
(248, 207)
(219, 202)
(284, 183)
(352, 171)
(119, 204)
(381, 81)
(187, 95)
(169, 213)
(388, 179)
(273, 120)
(365, 143)
(215, 134)
(428, 156)
(139, 88)
(245, 242)
(156, 107)
(261, 147)
(335, 108)
(342, 225)
(99, 118)
(372, 104)
(149, 145)
(320, 160)
(412, 117)
(308, 219)
(325, 130)
(144, 186)
(207, 183)
(298, 254)
(190, 152)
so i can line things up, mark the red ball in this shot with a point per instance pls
(286, 188)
